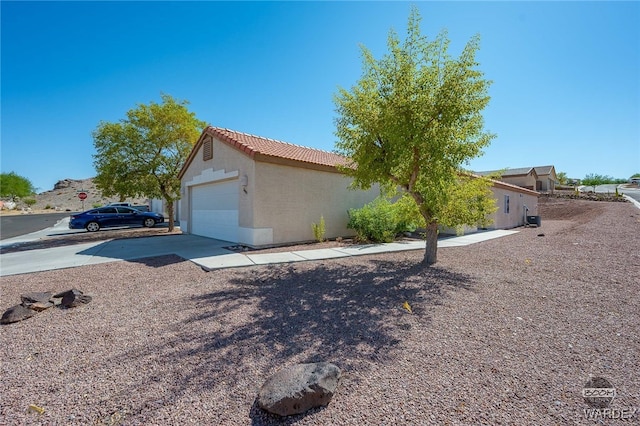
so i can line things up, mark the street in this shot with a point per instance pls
(22, 224)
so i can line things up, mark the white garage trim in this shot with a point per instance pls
(210, 175)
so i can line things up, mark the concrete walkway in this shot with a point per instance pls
(233, 260)
(208, 253)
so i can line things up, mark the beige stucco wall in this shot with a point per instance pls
(290, 199)
(517, 201)
(547, 183)
(528, 181)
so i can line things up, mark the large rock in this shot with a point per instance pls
(298, 388)
(72, 298)
(16, 313)
(31, 298)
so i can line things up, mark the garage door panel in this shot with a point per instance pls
(214, 211)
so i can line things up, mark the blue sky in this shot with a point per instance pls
(566, 75)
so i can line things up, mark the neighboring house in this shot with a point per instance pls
(514, 204)
(539, 178)
(259, 192)
(547, 178)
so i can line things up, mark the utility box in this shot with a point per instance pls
(534, 220)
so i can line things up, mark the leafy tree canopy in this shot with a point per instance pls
(14, 186)
(594, 179)
(411, 122)
(562, 178)
(140, 156)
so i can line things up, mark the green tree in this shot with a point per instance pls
(29, 202)
(593, 180)
(140, 156)
(562, 178)
(411, 122)
(14, 186)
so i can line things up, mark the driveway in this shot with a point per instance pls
(100, 251)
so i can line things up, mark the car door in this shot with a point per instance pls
(127, 216)
(106, 216)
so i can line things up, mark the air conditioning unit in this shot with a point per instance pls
(534, 220)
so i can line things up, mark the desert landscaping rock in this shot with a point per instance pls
(41, 306)
(72, 298)
(29, 299)
(16, 313)
(299, 388)
(35, 302)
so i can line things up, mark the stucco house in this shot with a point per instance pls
(514, 204)
(259, 192)
(256, 191)
(539, 178)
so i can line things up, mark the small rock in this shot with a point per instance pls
(16, 313)
(299, 388)
(73, 298)
(31, 298)
(41, 306)
(541, 234)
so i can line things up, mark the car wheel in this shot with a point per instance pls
(93, 226)
(149, 223)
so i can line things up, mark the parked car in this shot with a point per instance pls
(110, 216)
(142, 208)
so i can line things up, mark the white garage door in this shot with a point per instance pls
(214, 210)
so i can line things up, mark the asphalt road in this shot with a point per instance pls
(22, 224)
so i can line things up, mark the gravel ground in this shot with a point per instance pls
(507, 331)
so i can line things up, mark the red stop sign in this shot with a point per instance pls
(82, 195)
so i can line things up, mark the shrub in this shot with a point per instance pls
(96, 205)
(381, 220)
(319, 230)
(47, 207)
(29, 201)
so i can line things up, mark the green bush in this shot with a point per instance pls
(319, 230)
(380, 221)
(29, 201)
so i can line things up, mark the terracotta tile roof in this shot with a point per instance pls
(253, 145)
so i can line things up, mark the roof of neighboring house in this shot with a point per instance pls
(505, 185)
(522, 171)
(265, 149)
(544, 170)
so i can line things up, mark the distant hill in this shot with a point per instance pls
(64, 196)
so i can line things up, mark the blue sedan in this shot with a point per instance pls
(111, 216)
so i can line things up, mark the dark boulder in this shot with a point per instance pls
(29, 299)
(299, 388)
(72, 298)
(16, 313)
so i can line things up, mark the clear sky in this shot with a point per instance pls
(566, 75)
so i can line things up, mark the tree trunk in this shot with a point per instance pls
(171, 215)
(431, 249)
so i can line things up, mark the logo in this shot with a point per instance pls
(598, 392)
